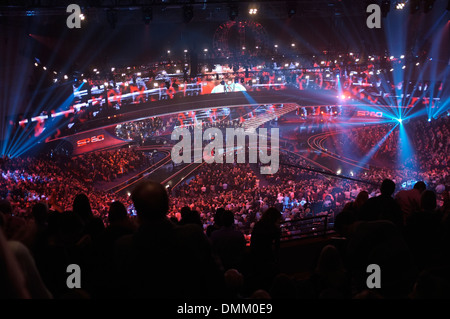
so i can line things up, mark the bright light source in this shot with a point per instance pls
(205, 50)
(36, 64)
(403, 67)
(417, 63)
(82, 17)
(402, 56)
(292, 44)
(129, 194)
(112, 69)
(322, 62)
(185, 51)
(45, 68)
(95, 70)
(55, 80)
(400, 5)
(351, 53)
(399, 120)
(138, 74)
(429, 120)
(106, 84)
(343, 96)
(168, 51)
(391, 70)
(276, 45)
(338, 172)
(243, 48)
(54, 72)
(253, 11)
(391, 57)
(357, 60)
(155, 85)
(65, 77)
(178, 71)
(84, 80)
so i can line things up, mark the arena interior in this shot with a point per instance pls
(88, 175)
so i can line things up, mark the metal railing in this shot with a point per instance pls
(320, 225)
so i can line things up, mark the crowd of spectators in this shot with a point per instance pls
(52, 216)
(139, 131)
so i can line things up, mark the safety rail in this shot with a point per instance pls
(319, 225)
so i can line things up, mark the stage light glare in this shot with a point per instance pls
(338, 172)
(400, 120)
(155, 85)
(65, 77)
(292, 44)
(429, 120)
(343, 96)
(391, 57)
(417, 63)
(112, 69)
(35, 64)
(402, 56)
(106, 84)
(391, 70)
(276, 45)
(44, 68)
(54, 72)
(82, 17)
(404, 67)
(84, 80)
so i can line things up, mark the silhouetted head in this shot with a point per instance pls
(40, 213)
(227, 218)
(150, 200)
(387, 187)
(5, 207)
(218, 216)
(117, 212)
(271, 215)
(343, 221)
(420, 186)
(428, 201)
(82, 207)
(362, 197)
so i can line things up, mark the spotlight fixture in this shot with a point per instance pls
(111, 17)
(253, 11)
(400, 5)
(414, 6)
(188, 14)
(428, 5)
(147, 15)
(234, 12)
(385, 7)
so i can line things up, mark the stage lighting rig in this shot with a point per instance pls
(400, 5)
(234, 12)
(147, 15)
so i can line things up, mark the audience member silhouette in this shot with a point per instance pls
(229, 243)
(162, 260)
(383, 207)
(264, 247)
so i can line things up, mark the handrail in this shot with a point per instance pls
(305, 227)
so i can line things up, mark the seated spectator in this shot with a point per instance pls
(163, 260)
(422, 231)
(383, 207)
(409, 200)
